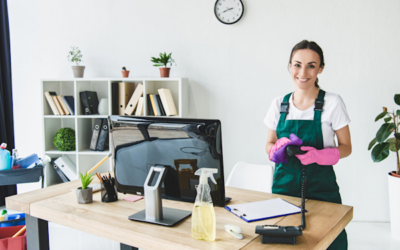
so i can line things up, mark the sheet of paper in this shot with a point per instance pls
(264, 209)
(133, 198)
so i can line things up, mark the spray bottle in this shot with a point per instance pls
(203, 215)
(5, 162)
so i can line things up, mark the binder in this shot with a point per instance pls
(160, 105)
(89, 102)
(133, 101)
(103, 136)
(64, 107)
(125, 91)
(167, 102)
(67, 167)
(149, 107)
(69, 102)
(139, 109)
(60, 110)
(262, 210)
(60, 173)
(95, 135)
(114, 96)
(50, 101)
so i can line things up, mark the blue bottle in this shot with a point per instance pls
(5, 163)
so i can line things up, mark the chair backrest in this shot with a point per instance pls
(251, 176)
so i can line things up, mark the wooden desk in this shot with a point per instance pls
(110, 220)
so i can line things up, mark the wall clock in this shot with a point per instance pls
(228, 11)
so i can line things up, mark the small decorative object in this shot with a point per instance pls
(84, 194)
(163, 61)
(228, 11)
(125, 73)
(64, 139)
(103, 106)
(75, 56)
(381, 151)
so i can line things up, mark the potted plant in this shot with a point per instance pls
(125, 73)
(84, 194)
(75, 56)
(163, 61)
(64, 139)
(381, 151)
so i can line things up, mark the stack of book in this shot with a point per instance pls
(128, 100)
(99, 141)
(59, 104)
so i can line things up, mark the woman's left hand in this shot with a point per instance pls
(326, 156)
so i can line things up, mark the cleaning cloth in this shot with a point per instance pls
(279, 155)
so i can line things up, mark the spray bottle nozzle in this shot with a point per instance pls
(206, 173)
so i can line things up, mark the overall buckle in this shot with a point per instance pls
(284, 107)
(318, 105)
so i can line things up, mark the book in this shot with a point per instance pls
(160, 105)
(114, 96)
(50, 101)
(64, 107)
(149, 107)
(67, 167)
(133, 101)
(153, 104)
(95, 135)
(167, 102)
(60, 110)
(89, 102)
(102, 142)
(69, 102)
(125, 91)
(139, 109)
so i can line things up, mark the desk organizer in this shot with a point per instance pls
(108, 193)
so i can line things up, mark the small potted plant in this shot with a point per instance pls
(64, 139)
(84, 194)
(125, 73)
(75, 56)
(163, 61)
(381, 151)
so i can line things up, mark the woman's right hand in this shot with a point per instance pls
(278, 144)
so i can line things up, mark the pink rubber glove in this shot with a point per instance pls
(326, 156)
(278, 144)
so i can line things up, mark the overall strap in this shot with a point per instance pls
(318, 109)
(284, 107)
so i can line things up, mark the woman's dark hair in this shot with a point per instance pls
(309, 45)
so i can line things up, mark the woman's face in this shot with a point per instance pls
(305, 67)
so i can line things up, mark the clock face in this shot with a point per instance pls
(228, 11)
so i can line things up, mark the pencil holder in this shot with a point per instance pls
(108, 193)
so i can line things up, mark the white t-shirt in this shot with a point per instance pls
(334, 116)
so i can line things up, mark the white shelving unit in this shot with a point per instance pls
(84, 158)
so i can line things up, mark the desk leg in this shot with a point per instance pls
(126, 247)
(37, 233)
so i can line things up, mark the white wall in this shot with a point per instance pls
(235, 70)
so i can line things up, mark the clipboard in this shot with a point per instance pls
(262, 210)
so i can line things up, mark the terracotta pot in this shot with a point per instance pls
(393, 173)
(164, 72)
(125, 73)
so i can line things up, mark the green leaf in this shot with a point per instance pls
(397, 99)
(384, 132)
(381, 115)
(371, 144)
(398, 112)
(380, 152)
(397, 135)
(387, 119)
(392, 142)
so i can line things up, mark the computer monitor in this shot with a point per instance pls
(181, 145)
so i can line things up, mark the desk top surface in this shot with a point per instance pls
(110, 220)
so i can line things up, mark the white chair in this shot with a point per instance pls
(251, 176)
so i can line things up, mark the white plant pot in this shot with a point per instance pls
(394, 205)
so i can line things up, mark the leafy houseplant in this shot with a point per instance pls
(163, 60)
(84, 194)
(64, 139)
(75, 56)
(381, 151)
(125, 73)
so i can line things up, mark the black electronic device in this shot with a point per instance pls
(285, 234)
(293, 150)
(181, 145)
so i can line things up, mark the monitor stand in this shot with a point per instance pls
(154, 212)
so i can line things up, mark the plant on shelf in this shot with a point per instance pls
(381, 151)
(163, 60)
(84, 194)
(125, 73)
(64, 139)
(75, 56)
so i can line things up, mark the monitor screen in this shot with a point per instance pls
(181, 145)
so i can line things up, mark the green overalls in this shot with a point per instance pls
(321, 184)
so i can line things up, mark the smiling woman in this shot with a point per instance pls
(316, 117)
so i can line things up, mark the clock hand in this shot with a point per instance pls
(227, 9)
